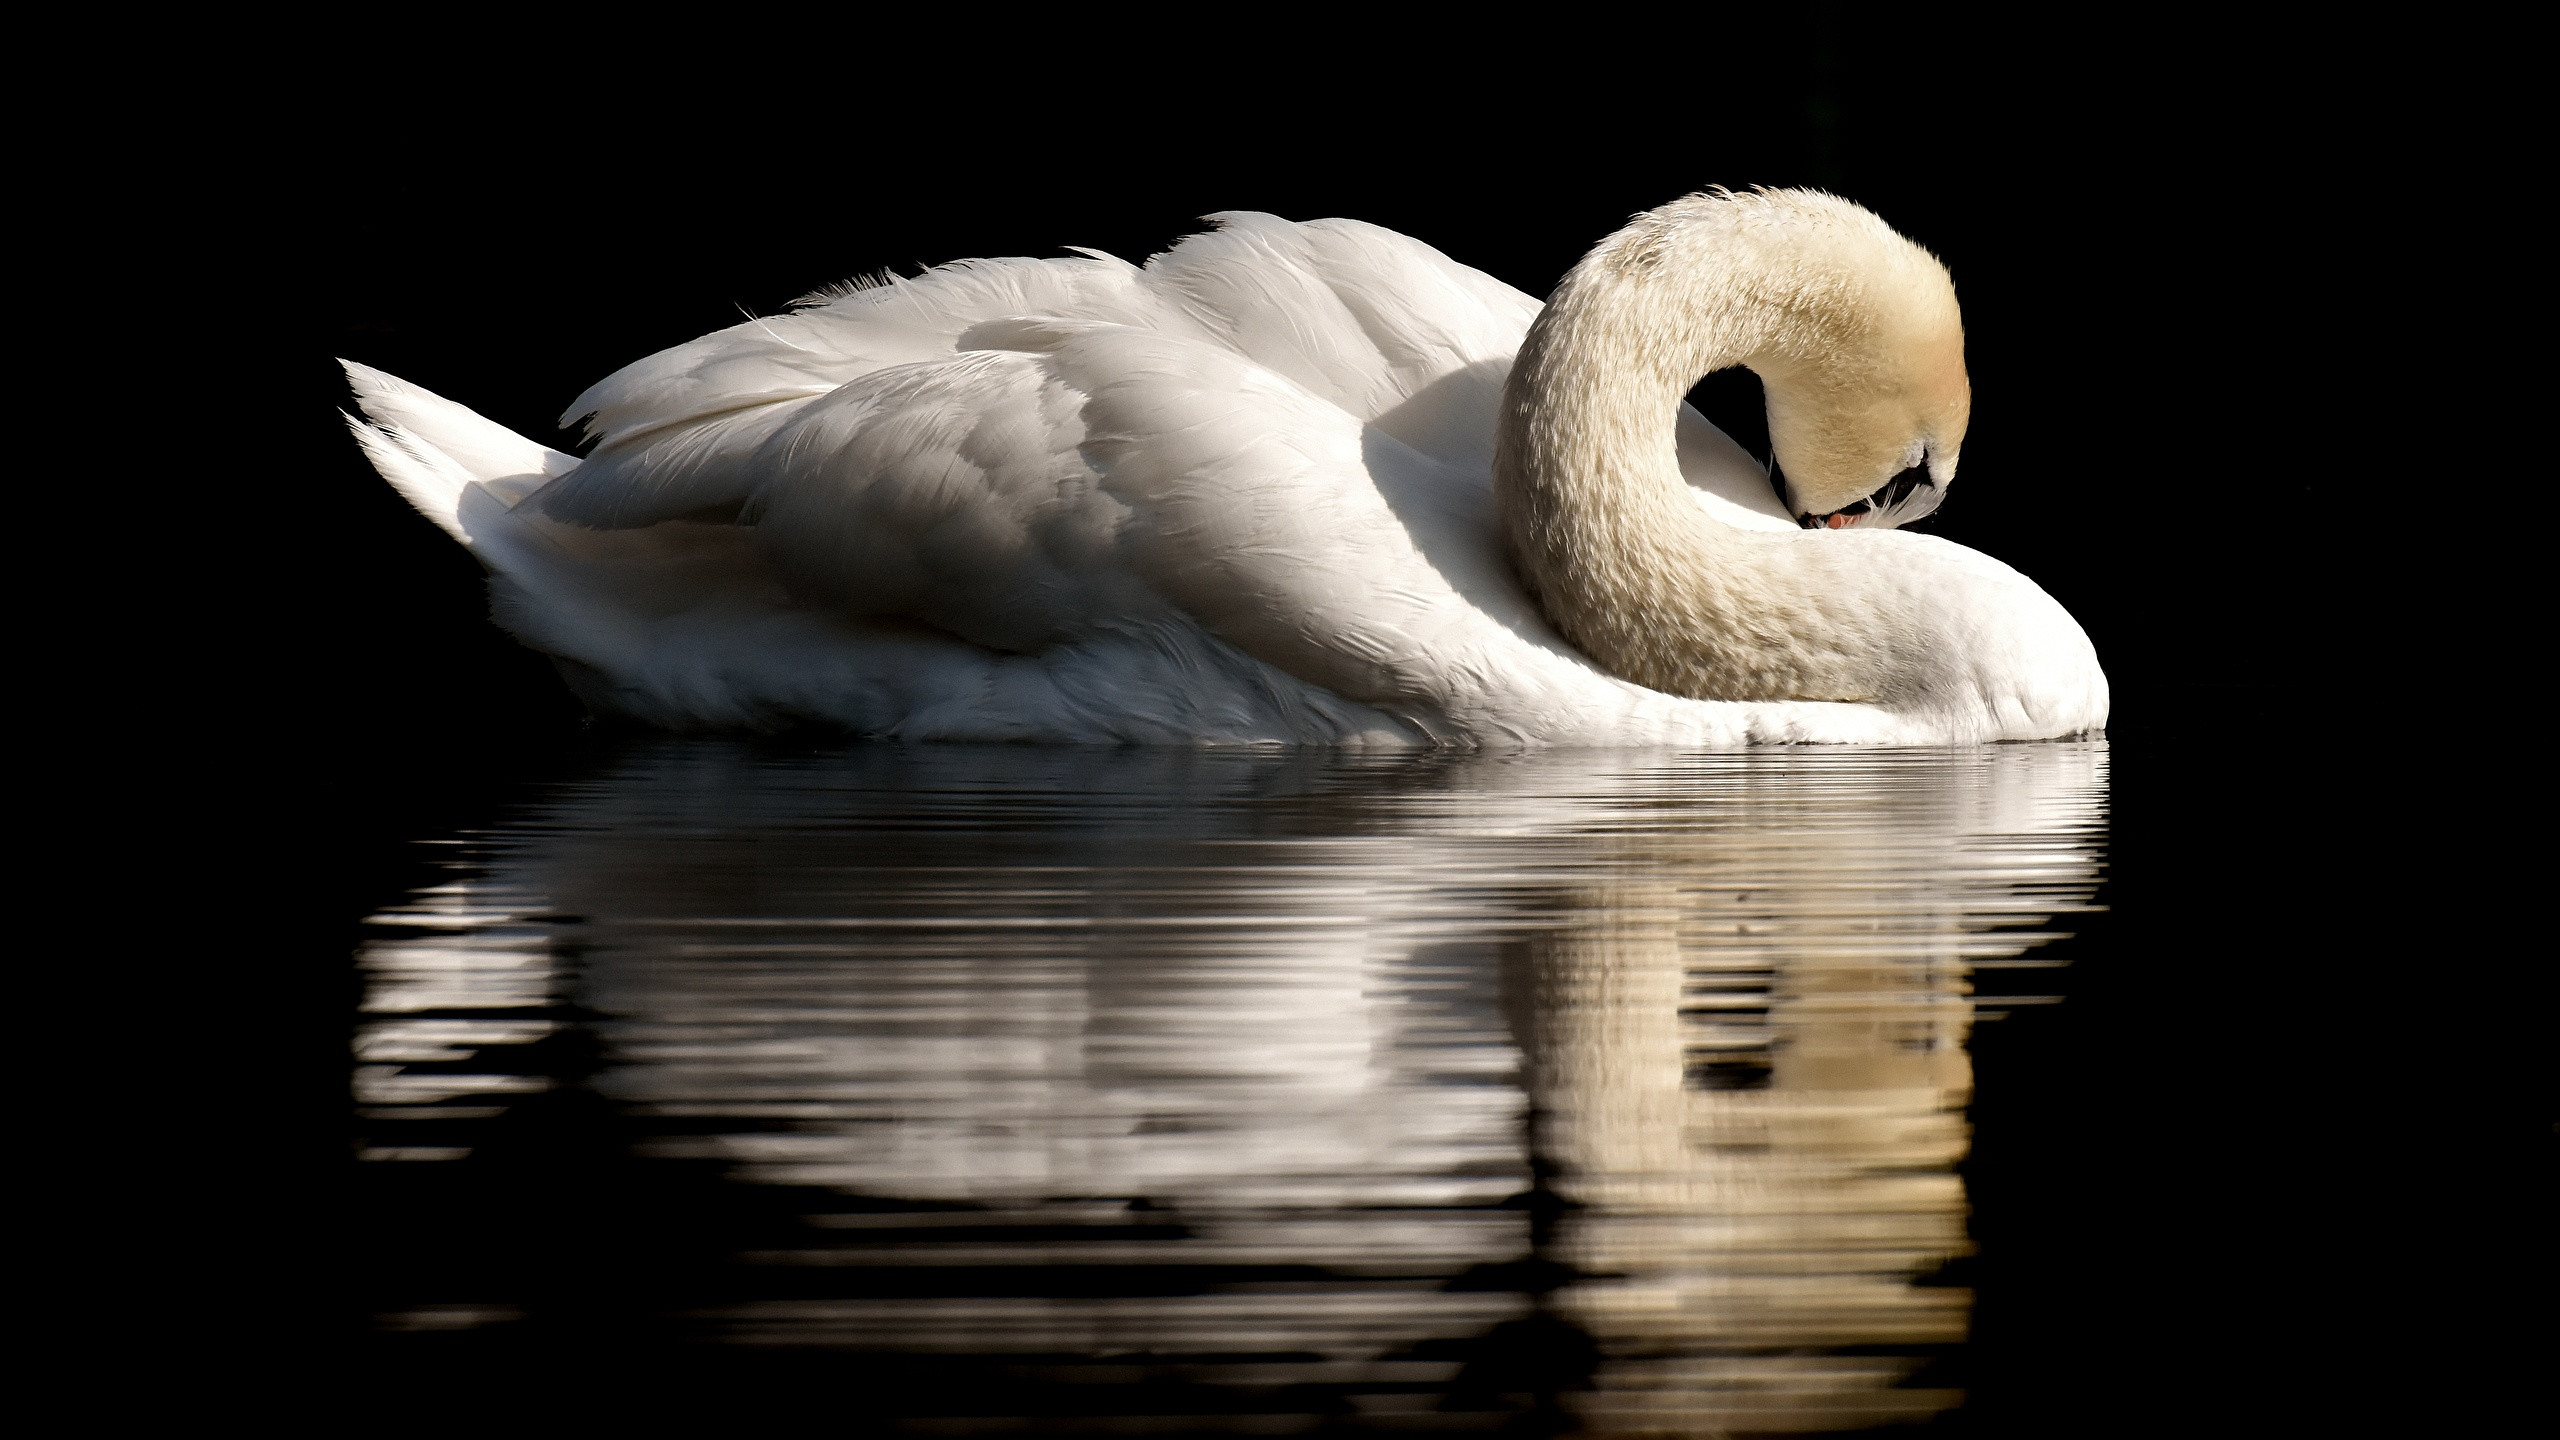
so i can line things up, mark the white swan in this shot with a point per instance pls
(1257, 492)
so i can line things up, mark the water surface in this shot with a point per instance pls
(1193, 1092)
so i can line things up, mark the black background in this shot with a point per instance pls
(2147, 222)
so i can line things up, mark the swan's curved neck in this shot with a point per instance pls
(1600, 523)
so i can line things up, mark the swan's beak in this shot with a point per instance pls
(1904, 498)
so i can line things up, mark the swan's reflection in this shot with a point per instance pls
(1628, 1085)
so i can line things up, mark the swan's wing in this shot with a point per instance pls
(1355, 314)
(955, 492)
(676, 430)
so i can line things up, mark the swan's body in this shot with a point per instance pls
(1244, 494)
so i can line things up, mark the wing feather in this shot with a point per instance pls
(677, 433)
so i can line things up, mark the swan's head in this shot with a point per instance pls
(1874, 455)
(1864, 372)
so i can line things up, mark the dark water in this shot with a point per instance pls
(1174, 1092)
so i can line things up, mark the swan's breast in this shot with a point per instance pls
(1983, 646)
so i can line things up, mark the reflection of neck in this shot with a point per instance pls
(1618, 1008)
(1705, 1116)
(1604, 530)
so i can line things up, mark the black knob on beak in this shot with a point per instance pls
(1901, 485)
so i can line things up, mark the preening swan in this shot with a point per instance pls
(1285, 482)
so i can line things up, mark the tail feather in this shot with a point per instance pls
(432, 449)
(423, 475)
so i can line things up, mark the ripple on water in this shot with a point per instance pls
(1235, 1090)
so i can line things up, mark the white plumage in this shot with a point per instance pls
(1240, 495)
